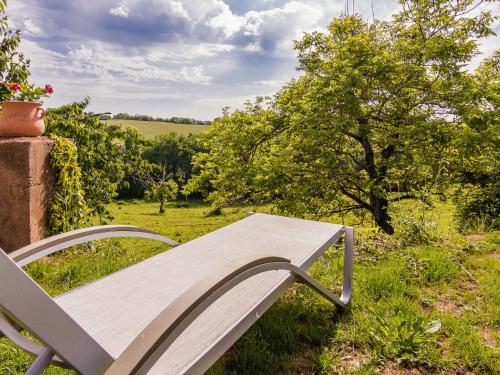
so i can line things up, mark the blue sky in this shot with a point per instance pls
(171, 57)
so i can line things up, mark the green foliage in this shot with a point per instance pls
(302, 333)
(371, 120)
(479, 207)
(106, 154)
(415, 226)
(162, 191)
(24, 92)
(168, 167)
(234, 166)
(173, 153)
(166, 155)
(68, 208)
(478, 151)
(431, 265)
(403, 337)
(13, 65)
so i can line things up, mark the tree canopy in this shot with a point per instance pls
(373, 118)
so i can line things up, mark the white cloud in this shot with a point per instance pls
(30, 27)
(195, 74)
(176, 8)
(120, 11)
(111, 66)
(228, 22)
(172, 57)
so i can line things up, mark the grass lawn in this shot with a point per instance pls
(151, 129)
(425, 302)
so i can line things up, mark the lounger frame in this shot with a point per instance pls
(155, 339)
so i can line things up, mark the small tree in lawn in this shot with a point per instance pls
(160, 187)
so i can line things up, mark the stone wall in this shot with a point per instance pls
(26, 186)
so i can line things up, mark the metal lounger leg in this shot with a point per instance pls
(41, 362)
(348, 265)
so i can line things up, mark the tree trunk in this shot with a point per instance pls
(379, 211)
(162, 207)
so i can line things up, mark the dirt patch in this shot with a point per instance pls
(496, 255)
(352, 360)
(476, 237)
(468, 285)
(461, 371)
(488, 338)
(392, 368)
(303, 363)
(445, 304)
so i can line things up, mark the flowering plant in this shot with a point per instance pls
(24, 92)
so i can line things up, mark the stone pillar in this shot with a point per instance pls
(26, 186)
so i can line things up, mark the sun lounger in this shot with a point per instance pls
(175, 313)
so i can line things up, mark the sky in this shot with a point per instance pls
(167, 58)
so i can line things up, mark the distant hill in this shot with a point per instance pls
(175, 119)
(151, 129)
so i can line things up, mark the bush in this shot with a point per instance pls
(68, 209)
(478, 208)
(413, 229)
(106, 153)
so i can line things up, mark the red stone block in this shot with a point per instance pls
(26, 186)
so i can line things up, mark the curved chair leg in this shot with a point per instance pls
(11, 331)
(156, 338)
(346, 295)
(39, 249)
(41, 362)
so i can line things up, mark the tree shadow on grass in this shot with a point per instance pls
(287, 339)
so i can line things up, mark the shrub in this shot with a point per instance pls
(478, 209)
(68, 209)
(106, 153)
(403, 337)
(419, 229)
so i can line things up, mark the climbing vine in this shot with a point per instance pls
(68, 208)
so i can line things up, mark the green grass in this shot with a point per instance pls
(151, 129)
(400, 290)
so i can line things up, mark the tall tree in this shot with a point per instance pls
(370, 120)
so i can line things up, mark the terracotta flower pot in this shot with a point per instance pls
(22, 119)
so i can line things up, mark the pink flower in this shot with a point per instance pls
(48, 89)
(14, 86)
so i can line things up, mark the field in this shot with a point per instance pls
(425, 301)
(151, 129)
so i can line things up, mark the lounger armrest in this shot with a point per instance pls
(39, 249)
(147, 348)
